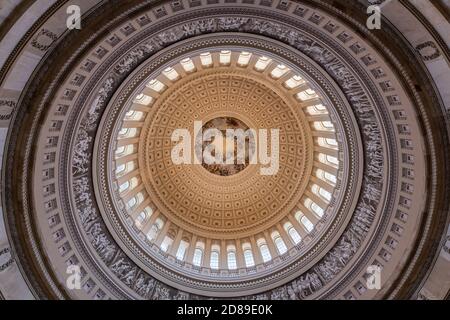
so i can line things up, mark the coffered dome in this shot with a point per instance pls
(224, 224)
(108, 164)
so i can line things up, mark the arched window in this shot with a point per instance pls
(187, 65)
(125, 150)
(120, 150)
(264, 249)
(292, 232)
(302, 219)
(125, 168)
(248, 255)
(128, 185)
(279, 71)
(262, 63)
(206, 59)
(120, 169)
(144, 216)
(279, 243)
(137, 116)
(314, 207)
(181, 252)
(198, 254)
(231, 257)
(215, 255)
(333, 160)
(171, 74)
(298, 216)
(124, 186)
(129, 114)
(141, 218)
(323, 126)
(139, 197)
(156, 85)
(321, 192)
(294, 235)
(154, 230)
(225, 57)
(331, 142)
(125, 133)
(324, 194)
(326, 176)
(327, 143)
(132, 202)
(167, 242)
(244, 58)
(307, 223)
(328, 125)
(148, 211)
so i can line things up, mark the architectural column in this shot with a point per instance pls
(128, 158)
(223, 255)
(300, 228)
(216, 59)
(191, 249)
(285, 77)
(256, 252)
(128, 176)
(150, 222)
(273, 250)
(176, 242)
(162, 233)
(137, 210)
(234, 58)
(207, 254)
(240, 261)
(286, 238)
(307, 212)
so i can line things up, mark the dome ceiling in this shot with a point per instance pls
(358, 180)
(233, 224)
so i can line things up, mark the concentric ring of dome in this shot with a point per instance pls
(71, 90)
(267, 214)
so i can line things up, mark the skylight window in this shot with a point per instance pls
(294, 82)
(206, 59)
(262, 63)
(171, 74)
(248, 255)
(225, 57)
(215, 255)
(279, 71)
(156, 85)
(244, 58)
(188, 65)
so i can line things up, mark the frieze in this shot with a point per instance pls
(336, 259)
(313, 281)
